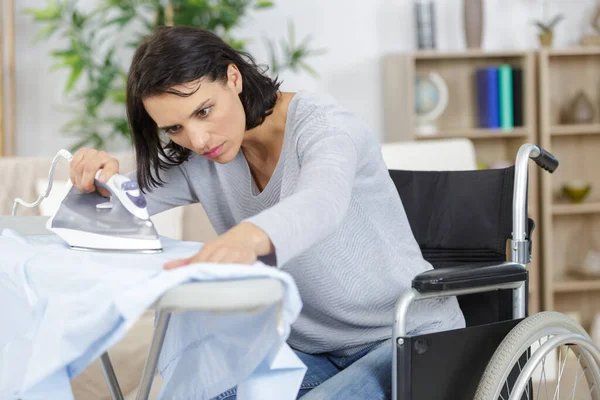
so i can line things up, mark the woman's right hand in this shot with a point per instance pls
(84, 166)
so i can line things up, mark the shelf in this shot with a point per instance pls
(572, 51)
(580, 129)
(476, 133)
(573, 209)
(466, 54)
(568, 283)
(532, 288)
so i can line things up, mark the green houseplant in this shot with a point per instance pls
(101, 41)
(546, 34)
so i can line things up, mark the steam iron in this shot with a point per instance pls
(89, 221)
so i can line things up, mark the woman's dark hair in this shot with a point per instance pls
(173, 56)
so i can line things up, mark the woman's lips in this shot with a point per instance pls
(214, 152)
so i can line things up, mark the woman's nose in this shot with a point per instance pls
(199, 140)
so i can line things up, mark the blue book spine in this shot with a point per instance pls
(488, 97)
(493, 97)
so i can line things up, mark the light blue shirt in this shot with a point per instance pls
(63, 308)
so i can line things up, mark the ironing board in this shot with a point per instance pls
(223, 296)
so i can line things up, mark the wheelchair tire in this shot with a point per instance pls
(518, 340)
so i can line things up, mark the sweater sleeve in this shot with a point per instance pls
(176, 191)
(319, 202)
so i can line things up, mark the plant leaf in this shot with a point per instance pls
(122, 20)
(63, 53)
(73, 77)
(74, 123)
(46, 32)
(51, 13)
(264, 4)
(78, 20)
(309, 69)
(274, 63)
(121, 126)
(118, 95)
(69, 61)
(556, 20)
(97, 141)
(292, 34)
(81, 143)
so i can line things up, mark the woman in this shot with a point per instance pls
(290, 179)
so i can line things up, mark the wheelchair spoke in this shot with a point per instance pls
(557, 390)
(577, 377)
(567, 376)
(520, 371)
(526, 390)
(543, 372)
(544, 378)
(560, 373)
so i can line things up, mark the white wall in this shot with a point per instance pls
(356, 34)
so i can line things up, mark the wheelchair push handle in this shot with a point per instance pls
(546, 160)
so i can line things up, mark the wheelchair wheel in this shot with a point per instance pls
(526, 364)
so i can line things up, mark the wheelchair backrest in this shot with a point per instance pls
(460, 218)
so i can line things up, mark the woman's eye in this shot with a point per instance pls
(172, 130)
(204, 112)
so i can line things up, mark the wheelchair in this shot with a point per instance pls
(463, 221)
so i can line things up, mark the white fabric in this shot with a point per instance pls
(430, 155)
(63, 308)
(168, 223)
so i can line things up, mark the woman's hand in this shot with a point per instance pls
(241, 244)
(85, 164)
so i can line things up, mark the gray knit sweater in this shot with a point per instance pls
(336, 222)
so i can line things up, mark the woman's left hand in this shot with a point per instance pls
(241, 244)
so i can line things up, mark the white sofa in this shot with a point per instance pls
(27, 177)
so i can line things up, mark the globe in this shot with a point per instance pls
(431, 100)
(427, 95)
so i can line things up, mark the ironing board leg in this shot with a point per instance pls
(150, 367)
(111, 378)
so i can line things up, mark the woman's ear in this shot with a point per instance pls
(234, 78)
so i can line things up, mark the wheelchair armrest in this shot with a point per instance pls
(469, 276)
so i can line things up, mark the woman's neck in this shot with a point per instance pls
(262, 145)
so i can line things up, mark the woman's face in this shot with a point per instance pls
(211, 122)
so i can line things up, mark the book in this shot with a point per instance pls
(506, 96)
(517, 95)
(488, 97)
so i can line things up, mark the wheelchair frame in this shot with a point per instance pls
(507, 276)
(520, 256)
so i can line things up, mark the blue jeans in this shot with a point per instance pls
(365, 375)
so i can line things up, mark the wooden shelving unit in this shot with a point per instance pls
(478, 134)
(569, 230)
(574, 130)
(460, 117)
(2, 97)
(7, 75)
(569, 284)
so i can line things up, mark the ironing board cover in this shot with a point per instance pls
(68, 307)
